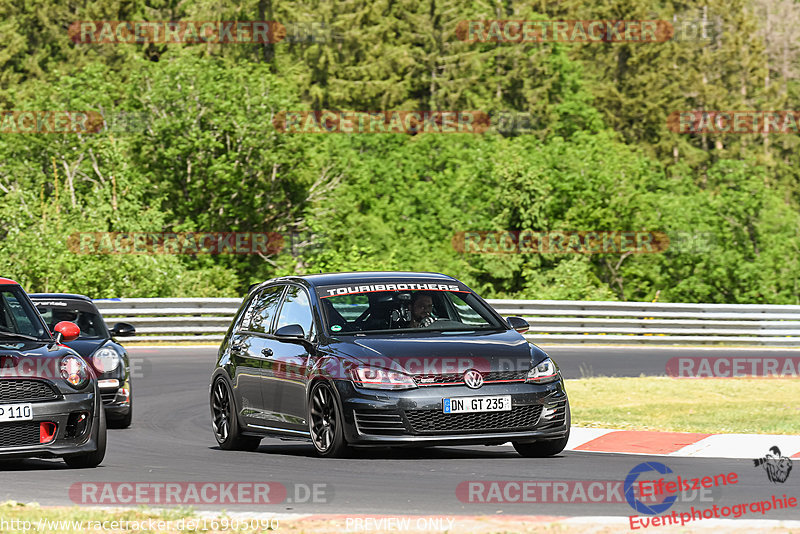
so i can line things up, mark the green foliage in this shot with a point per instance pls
(595, 153)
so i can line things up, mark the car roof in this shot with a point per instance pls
(8, 281)
(58, 296)
(324, 279)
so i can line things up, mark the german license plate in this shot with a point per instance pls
(500, 403)
(15, 412)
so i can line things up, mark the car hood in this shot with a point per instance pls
(441, 353)
(32, 359)
(85, 347)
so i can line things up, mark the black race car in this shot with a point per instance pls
(49, 401)
(383, 358)
(108, 358)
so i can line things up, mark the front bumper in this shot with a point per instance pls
(415, 417)
(67, 440)
(116, 402)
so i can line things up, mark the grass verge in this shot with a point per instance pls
(737, 405)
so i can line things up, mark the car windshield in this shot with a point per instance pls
(79, 312)
(392, 307)
(17, 316)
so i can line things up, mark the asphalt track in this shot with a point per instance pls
(171, 441)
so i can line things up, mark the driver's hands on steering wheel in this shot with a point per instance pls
(427, 321)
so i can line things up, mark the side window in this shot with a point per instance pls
(466, 314)
(259, 316)
(297, 310)
(18, 317)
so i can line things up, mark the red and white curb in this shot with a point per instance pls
(686, 444)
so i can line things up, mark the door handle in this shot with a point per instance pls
(237, 347)
(266, 351)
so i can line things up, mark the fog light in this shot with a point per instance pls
(77, 424)
(549, 411)
(47, 432)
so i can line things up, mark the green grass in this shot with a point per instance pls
(739, 405)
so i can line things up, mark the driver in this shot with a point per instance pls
(421, 308)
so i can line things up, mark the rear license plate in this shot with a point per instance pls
(501, 403)
(15, 412)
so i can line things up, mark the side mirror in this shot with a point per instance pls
(519, 324)
(66, 331)
(294, 331)
(123, 330)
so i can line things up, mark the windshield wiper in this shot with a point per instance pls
(3, 334)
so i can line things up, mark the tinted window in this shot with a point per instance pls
(297, 310)
(466, 313)
(374, 307)
(259, 317)
(17, 315)
(81, 313)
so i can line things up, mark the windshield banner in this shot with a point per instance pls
(352, 289)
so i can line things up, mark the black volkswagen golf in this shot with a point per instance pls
(49, 402)
(383, 358)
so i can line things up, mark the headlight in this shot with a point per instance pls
(74, 371)
(105, 360)
(544, 372)
(376, 378)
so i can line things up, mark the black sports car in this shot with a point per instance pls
(97, 346)
(383, 358)
(49, 402)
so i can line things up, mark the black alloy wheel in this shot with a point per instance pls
(225, 422)
(325, 422)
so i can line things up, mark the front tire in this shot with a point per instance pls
(325, 422)
(225, 421)
(94, 458)
(545, 447)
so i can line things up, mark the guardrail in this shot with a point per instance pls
(552, 321)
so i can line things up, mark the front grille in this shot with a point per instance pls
(447, 379)
(28, 390)
(438, 380)
(381, 423)
(520, 417)
(19, 434)
(503, 376)
(108, 396)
